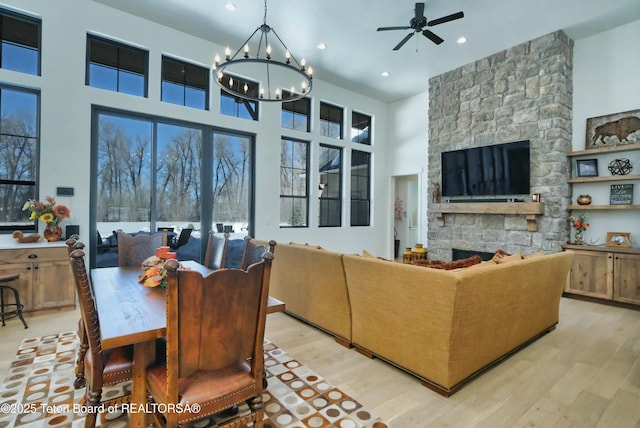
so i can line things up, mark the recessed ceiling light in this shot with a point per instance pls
(461, 40)
(230, 6)
(386, 74)
(322, 46)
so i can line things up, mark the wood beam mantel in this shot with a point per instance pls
(528, 209)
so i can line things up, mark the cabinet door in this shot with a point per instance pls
(591, 274)
(626, 271)
(24, 284)
(52, 288)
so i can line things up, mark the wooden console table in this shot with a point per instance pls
(529, 209)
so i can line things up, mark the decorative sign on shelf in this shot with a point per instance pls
(621, 194)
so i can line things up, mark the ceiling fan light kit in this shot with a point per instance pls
(418, 24)
(261, 77)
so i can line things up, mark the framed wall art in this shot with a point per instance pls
(587, 167)
(613, 129)
(618, 239)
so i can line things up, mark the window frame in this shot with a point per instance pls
(34, 184)
(328, 110)
(119, 46)
(325, 200)
(294, 197)
(186, 67)
(251, 107)
(297, 109)
(28, 19)
(360, 131)
(354, 187)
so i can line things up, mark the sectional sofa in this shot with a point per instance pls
(443, 326)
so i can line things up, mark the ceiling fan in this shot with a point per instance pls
(418, 24)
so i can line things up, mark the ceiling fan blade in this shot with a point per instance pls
(394, 28)
(419, 11)
(433, 37)
(403, 41)
(447, 18)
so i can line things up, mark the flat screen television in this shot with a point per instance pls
(497, 170)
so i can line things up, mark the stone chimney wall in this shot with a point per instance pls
(522, 93)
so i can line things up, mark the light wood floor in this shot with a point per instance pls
(586, 373)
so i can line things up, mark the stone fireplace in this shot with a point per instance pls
(522, 93)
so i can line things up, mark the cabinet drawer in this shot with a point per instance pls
(32, 255)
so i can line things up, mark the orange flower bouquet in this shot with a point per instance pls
(48, 211)
(580, 224)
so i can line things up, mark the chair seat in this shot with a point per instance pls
(118, 364)
(226, 384)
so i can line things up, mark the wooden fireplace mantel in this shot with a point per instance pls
(529, 209)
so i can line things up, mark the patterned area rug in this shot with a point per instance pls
(38, 392)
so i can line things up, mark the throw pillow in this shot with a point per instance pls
(456, 264)
(506, 259)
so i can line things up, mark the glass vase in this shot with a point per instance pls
(579, 238)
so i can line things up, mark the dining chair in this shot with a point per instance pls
(215, 255)
(101, 367)
(73, 243)
(254, 249)
(132, 250)
(183, 238)
(215, 334)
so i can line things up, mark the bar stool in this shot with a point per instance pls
(10, 310)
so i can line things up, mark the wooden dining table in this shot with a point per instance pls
(131, 314)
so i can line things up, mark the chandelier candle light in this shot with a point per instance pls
(262, 78)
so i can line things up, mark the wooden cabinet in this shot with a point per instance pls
(46, 281)
(607, 273)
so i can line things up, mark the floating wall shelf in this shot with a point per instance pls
(529, 209)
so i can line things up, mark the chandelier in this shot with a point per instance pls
(261, 77)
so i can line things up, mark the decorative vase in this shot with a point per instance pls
(584, 200)
(52, 232)
(418, 252)
(406, 255)
(579, 239)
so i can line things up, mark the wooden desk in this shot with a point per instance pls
(131, 314)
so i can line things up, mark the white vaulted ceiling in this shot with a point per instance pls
(356, 54)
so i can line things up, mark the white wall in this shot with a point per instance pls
(606, 80)
(66, 119)
(408, 136)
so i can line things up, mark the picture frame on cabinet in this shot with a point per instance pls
(587, 167)
(618, 239)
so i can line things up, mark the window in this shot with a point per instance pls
(151, 172)
(20, 43)
(236, 106)
(294, 183)
(330, 186)
(360, 188)
(330, 121)
(360, 128)
(185, 84)
(116, 67)
(19, 144)
(296, 115)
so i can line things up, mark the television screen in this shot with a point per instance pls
(498, 170)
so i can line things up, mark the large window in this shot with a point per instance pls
(153, 173)
(185, 84)
(116, 67)
(296, 115)
(236, 106)
(294, 183)
(360, 128)
(19, 141)
(20, 43)
(330, 186)
(360, 188)
(331, 121)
